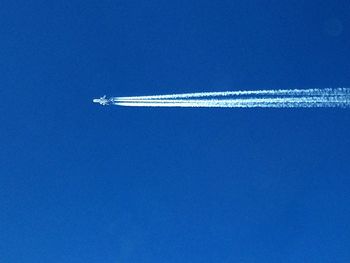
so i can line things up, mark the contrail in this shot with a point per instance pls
(293, 98)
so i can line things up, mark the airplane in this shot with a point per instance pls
(103, 101)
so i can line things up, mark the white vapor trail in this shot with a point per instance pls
(294, 98)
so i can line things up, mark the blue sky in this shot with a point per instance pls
(84, 183)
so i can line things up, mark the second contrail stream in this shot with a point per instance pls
(293, 98)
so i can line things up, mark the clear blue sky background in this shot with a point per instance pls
(84, 183)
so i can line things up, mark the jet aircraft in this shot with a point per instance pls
(103, 101)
